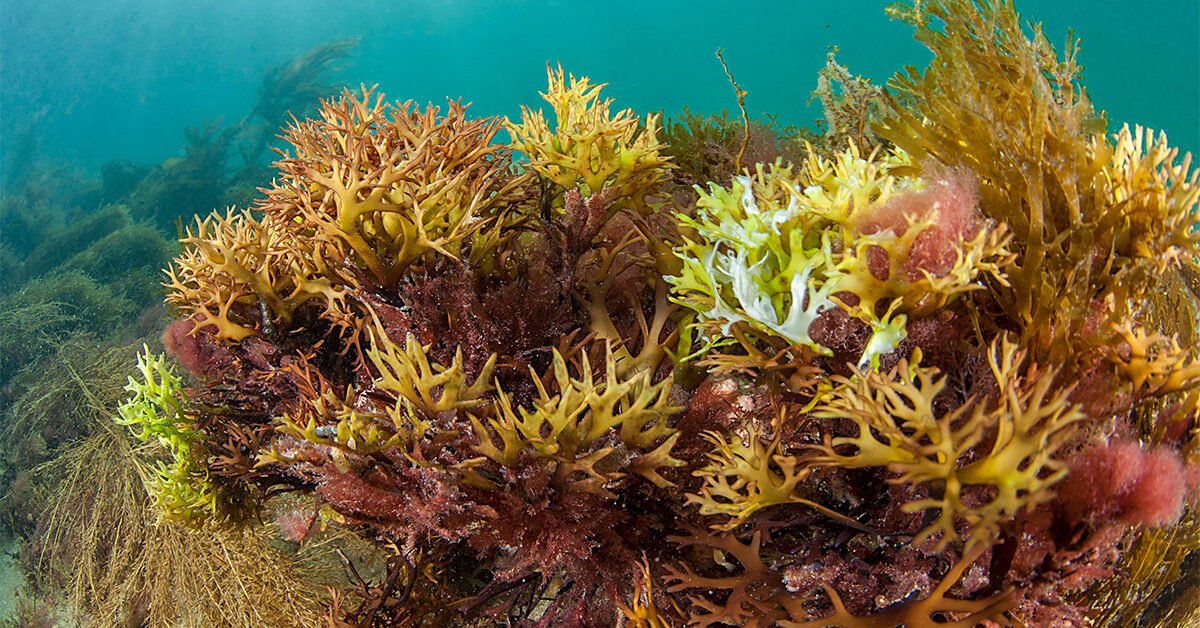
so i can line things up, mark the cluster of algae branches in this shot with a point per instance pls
(934, 364)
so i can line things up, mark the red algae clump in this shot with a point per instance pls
(949, 202)
(1123, 481)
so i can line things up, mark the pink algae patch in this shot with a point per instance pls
(949, 201)
(1123, 481)
(295, 525)
(1160, 493)
(196, 349)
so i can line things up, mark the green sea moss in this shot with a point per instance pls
(21, 228)
(128, 262)
(64, 239)
(48, 410)
(98, 547)
(705, 148)
(122, 251)
(10, 268)
(46, 311)
(93, 274)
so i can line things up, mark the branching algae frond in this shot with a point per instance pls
(566, 430)
(180, 487)
(1098, 218)
(242, 277)
(589, 148)
(936, 367)
(370, 177)
(777, 249)
(1008, 443)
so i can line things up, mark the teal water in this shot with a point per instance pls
(121, 79)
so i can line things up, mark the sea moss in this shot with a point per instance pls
(864, 384)
(46, 311)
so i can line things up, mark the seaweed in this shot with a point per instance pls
(1097, 221)
(886, 379)
(851, 106)
(98, 542)
(289, 89)
(704, 148)
(187, 185)
(45, 311)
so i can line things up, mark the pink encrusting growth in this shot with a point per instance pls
(949, 201)
(1121, 481)
(194, 349)
(1161, 490)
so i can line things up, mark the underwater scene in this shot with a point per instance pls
(535, 314)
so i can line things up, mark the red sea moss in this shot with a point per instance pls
(196, 350)
(1069, 544)
(842, 334)
(576, 534)
(719, 404)
(1122, 481)
(949, 200)
(406, 503)
(1159, 497)
(940, 338)
(296, 524)
(954, 196)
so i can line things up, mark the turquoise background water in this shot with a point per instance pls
(121, 79)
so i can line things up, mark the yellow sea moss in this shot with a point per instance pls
(643, 611)
(432, 388)
(1095, 220)
(241, 276)
(379, 185)
(422, 390)
(1009, 443)
(744, 475)
(573, 428)
(590, 149)
(334, 421)
(367, 189)
(1154, 363)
